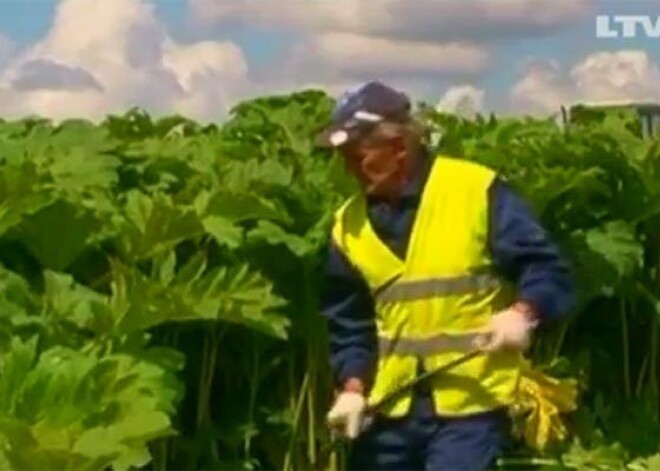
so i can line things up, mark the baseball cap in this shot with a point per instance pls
(359, 109)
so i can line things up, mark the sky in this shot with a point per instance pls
(88, 58)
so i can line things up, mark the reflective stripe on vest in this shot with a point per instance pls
(429, 288)
(429, 346)
(411, 290)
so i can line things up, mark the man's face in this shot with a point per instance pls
(382, 168)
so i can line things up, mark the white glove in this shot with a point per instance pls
(348, 411)
(510, 328)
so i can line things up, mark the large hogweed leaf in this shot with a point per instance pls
(20, 308)
(22, 193)
(150, 225)
(646, 463)
(58, 233)
(268, 177)
(195, 293)
(600, 456)
(81, 409)
(165, 164)
(139, 301)
(74, 157)
(616, 243)
(77, 169)
(223, 211)
(606, 258)
(270, 233)
(69, 304)
(238, 206)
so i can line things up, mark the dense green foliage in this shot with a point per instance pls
(160, 285)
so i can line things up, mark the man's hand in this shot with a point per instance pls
(348, 410)
(511, 328)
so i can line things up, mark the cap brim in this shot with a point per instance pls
(339, 135)
(334, 137)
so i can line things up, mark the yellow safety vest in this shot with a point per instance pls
(431, 305)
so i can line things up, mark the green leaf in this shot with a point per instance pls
(223, 231)
(616, 242)
(155, 224)
(238, 207)
(243, 175)
(22, 193)
(19, 306)
(76, 304)
(132, 458)
(165, 266)
(602, 457)
(232, 295)
(274, 235)
(15, 366)
(649, 463)
(81, 168)
(58, 248)
(84, 409)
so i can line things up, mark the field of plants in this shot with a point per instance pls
(160, 282)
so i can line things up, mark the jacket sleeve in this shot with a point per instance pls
(524, 252)
(348, 308)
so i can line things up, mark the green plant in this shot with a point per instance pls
(160, 284)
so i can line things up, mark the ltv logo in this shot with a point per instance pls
(627, 26)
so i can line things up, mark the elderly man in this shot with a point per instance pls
(432, 254)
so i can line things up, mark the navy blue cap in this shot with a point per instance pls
(359, 109)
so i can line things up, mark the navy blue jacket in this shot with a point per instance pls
(520, 248)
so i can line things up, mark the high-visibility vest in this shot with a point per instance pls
(431, 305)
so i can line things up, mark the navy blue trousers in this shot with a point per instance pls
(425, 442)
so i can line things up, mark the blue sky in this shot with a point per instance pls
(202, 56)
(25, 21)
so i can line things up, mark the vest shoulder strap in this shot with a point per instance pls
(353, 234)
(458, 173)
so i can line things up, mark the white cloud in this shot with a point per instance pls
(101, 56)
(356, 56)
(214, 75)
(422, 19)
(542, 88)
(465, 100)
(601, 76)
(622, 75)
(411, 45)
(335, 61)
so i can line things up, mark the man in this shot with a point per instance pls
(436, 256)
